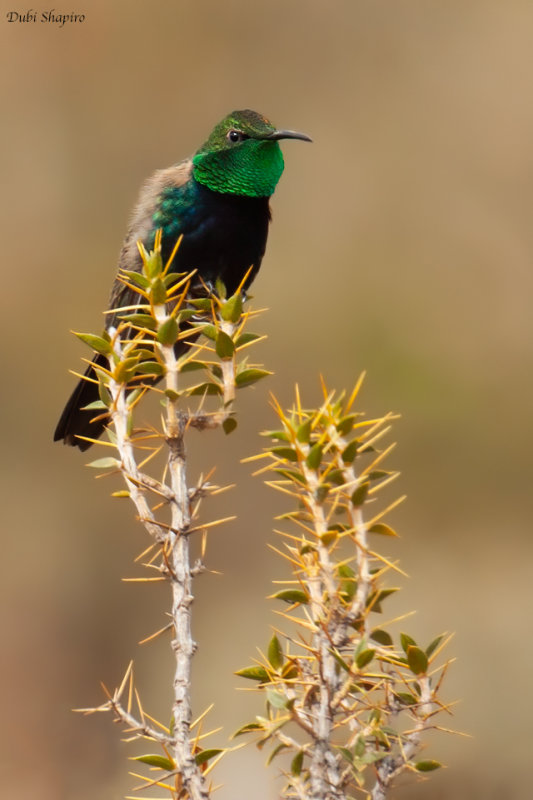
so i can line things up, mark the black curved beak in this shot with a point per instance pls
(276, 135)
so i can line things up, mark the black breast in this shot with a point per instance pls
(224, 235)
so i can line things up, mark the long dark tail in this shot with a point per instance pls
(75, 421)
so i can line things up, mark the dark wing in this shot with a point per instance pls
(77, 421)
(141, 227)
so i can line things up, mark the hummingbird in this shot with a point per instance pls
(219, 201)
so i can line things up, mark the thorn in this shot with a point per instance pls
(355, 391)
(172, 255)
(118, 692)
(243, 282)
(157, 633)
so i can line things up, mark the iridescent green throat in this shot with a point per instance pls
(251, 169)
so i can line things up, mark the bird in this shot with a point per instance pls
(218, 201)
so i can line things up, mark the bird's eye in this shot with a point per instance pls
(236, 136)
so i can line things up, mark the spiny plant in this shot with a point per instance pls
(141, 354)
(347, 704)
(343, 701)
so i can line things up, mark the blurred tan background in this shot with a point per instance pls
(402, 244)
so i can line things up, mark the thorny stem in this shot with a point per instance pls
(181, 578)
(175, 539)
(133, 478)
(330, 628)
(325, 778)
(140, 728)
(361, 546)
(334, 691)
(130, 343)
(389, 767)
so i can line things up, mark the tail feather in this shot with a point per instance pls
(77, 421)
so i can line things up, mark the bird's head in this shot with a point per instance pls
(242, 155)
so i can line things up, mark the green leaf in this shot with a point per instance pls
(275, 653)
(292, 474)
(102, 346)
(417, 660)
(377, 474)
(345, 425)
(427, 766)
(276, 699)
(364, 658)
(150, 368)
(348, 583)
(406, 641)
(406, 698)
(255, 673)
(224, 346)
(104, 394)
(220, 288)
(135, 277)
(172, 278)
(376, 598)
(202, 303)
(125, 370)
(275, 752)
(297, 762)
(105, 463)
(246, 338)
(140, 320)
(96, 405)
(205, 388)
(340, 660)
(229, 425)
(209, 331)
(191, 366)
(381, 637)
(280, 435)
(249, 376)
(144, 353)
(158, 292)
(430, 649)
(350, 452)
(336, 476)
(185, 314)
(248, 728)
(285, 452)
(371, 758)
(168, 332)
(156, 761)
(321, 492)
(314, 457)
(383, 529)
(172, 395)
(347, 754)
(304, 432)
(204, 755)
(360, 494)
(231, 310)
(153, 264)
(345, 571)
(292, 596)
(360, 747)
(329, 537)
